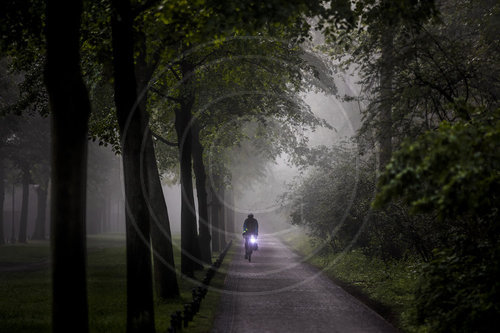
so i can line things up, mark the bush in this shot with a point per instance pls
(454, 173)
(334, 203)
(460, 290)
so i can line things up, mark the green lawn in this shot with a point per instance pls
(25, 296)
(24, 253)
(387, 287)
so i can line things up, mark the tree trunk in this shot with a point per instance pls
(2, 198)
(23, 221)
(214, 209)
(230, 214)
(201, 191)
(105, 214)
(107, 218)
(189, 236)
(109, 214)
(70, 109)
(41, 193)
(385, 112)
(222, 219)
(140, 311)
(102, 216)
(161, 238)
(91, 219)
(13, 219)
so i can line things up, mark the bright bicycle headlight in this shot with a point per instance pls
(253, 240)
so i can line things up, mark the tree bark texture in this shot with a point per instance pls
(201, 191)
(222, 218)
(41, 193)
(214, 219)
(229, 208)
(70, 109)
(13, 219)
(385, 111)
(2, 200)
(165, 277)
(23, 220)
(164, 266)
(189, 234)
(140, 311)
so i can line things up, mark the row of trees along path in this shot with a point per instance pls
(143, 39)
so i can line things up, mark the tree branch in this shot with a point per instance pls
(139, 8)
(177, 100)
(162, 139)
(174, 72)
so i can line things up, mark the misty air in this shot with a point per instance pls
(249, 166)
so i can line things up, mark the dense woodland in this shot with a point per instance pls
(186, 91)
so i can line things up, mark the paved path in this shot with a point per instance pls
(278, 293)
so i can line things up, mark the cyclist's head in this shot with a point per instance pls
(250, 215)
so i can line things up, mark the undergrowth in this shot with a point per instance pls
(388, 287)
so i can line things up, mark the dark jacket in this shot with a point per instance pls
(251, 226)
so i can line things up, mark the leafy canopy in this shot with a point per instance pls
(454, 170)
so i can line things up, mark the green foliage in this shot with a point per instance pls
(24, 143)
(333, 201)
(460, 289)
(453, 171)
(246, 90)
(447, 54)
(218, 19)
(22, 26)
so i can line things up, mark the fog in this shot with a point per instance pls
(262, 196)
(258, 194)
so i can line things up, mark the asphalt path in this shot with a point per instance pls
(276, 292)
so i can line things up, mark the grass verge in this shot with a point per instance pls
(203, 321)
(25, 304)
(386, 287)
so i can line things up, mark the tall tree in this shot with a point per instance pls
(8, 126)
(2, 198)
(188, 30)
(377, 46)
(215, 218)
(201, 193)
(229, 212)
(140, 311)
(107, 131)
(189, 234)
(161, 238)
(385, 104)
(70, 109)
(41, 192)
(23, 221)
(222, 216)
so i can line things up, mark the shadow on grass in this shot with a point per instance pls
(25, 296)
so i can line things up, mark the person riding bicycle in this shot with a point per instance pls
(250, 227)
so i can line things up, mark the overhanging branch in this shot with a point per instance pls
(162, 139)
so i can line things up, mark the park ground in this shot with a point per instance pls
(25, 285)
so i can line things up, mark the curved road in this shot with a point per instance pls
(278, 293)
